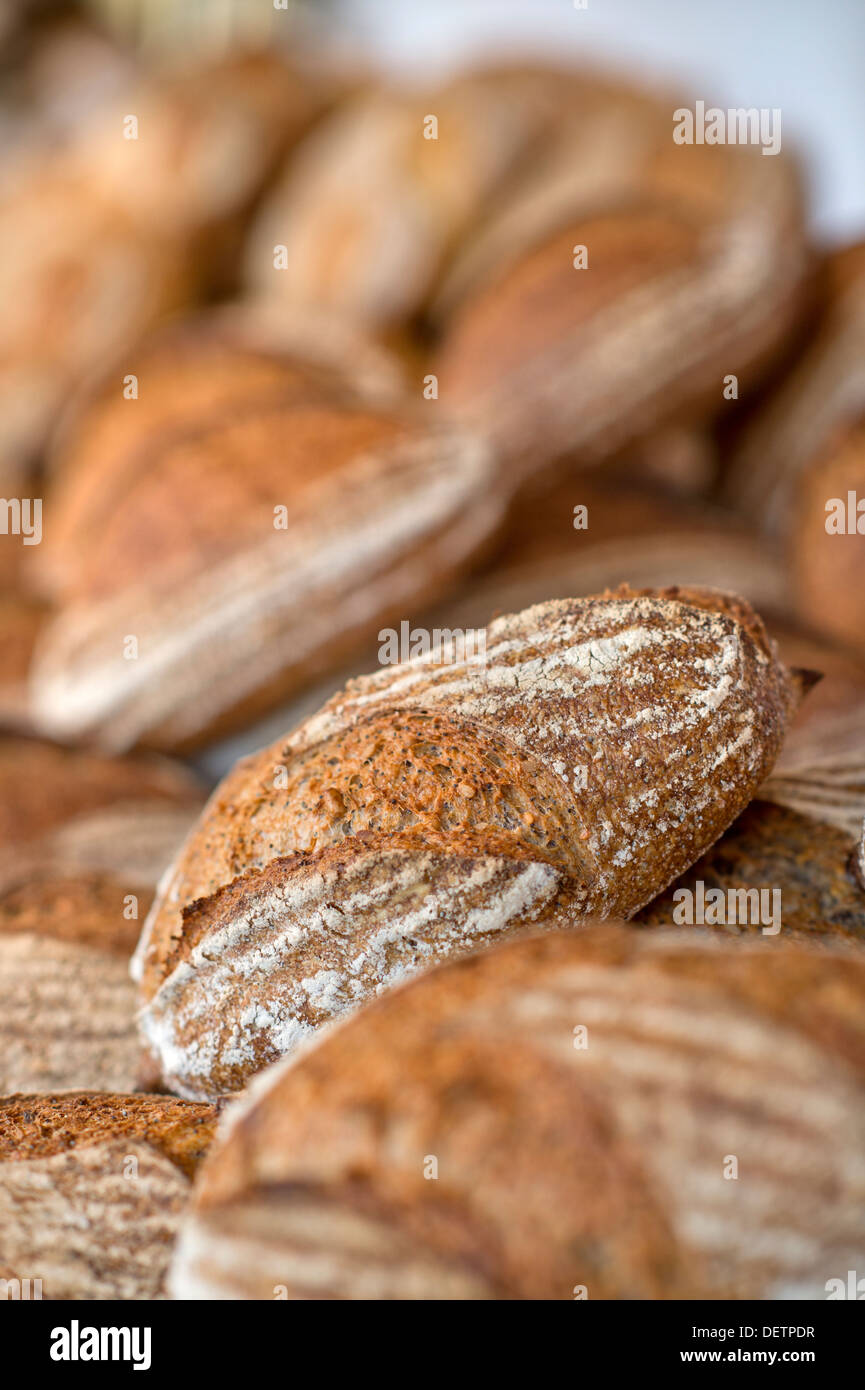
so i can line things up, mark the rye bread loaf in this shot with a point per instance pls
(699, 277)
(92, 1188)
(605, 1114)
(249, 552)
(597, 748)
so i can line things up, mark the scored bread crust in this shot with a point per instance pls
(381, 509)
(92, 1188)
(556, 1114)
(596, 751)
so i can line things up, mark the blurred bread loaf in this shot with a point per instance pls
(799, 466)
(92, 1188)
(243, 543)
(592, 751)
(609, 1114)
(84, 841)
(632, 315)
(377, 197)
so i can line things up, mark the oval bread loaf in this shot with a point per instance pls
(589, 756)
(92, 1188)
(697, 278)
(605, 1114)
(246, 554)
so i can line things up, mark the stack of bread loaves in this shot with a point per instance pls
(528, 964)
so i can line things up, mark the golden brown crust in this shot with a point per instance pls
(454, 1140)
(38, 1126)
(828, 565)
(553, 360)
(572, 772)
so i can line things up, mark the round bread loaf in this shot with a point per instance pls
(609, 1114)
(92, 1188)
(573, 767)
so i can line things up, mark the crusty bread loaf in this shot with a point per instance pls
(377, 197)
(605, 1114)
(598, 747)
(250, 552)
(199, 370)
(699, 278)
(92, 1188)
(84, 840)
(67, 1005)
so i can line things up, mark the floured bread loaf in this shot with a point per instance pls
(586, 758)
(67, 1005)
(698, 277)
(604, 1114)
(221, 567)
(84, 841)
(201, 367)
(92, 1188)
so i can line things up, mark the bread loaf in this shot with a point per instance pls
(378, 195)
(802, 867)
(822, 394)
(827, 537)
(248, 553)
(80, 279)
(604, 1114)
(699, 278)
(594, 752)
(200, 369)
(92, 1188)
(67, 1005)
(84, 842)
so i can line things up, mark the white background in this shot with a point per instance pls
(806, 58)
